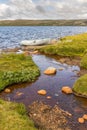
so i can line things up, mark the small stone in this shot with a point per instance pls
(67, 90)
(85, 116)
(7, 90)
(19, 94)
(60, 69)
(80, 120)
(42, 92)
(48, 97)
(50, 70)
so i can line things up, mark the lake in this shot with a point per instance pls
(11, 36)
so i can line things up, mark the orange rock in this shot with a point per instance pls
(66, 90)
(85, 116)
(42, 92)
(48, 97)
(80, 120)
(50, 70)
(7, 90)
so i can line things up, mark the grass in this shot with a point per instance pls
(80, 86)
(84, 61)
(13, 117)
(68, 46)
(16, 68)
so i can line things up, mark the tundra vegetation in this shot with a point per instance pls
(72, 46)
(13, 116)
(16, 68)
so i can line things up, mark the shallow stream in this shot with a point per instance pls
(27, 92)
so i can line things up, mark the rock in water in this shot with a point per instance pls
(50, 71)
(66, 90)
(42, 92)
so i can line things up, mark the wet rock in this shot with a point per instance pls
(50, 71)
(7, 90)
(48, 97)
(42, 92)
(81, 120)
(48, 118)
(67, 90)
(85, 116)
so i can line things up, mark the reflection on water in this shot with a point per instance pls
(27, 92)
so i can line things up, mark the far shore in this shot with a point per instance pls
(19, 22)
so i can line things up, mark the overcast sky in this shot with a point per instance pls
(43, 9)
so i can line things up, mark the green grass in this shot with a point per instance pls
(68, 46)
(13, 117)
(16, 68)
(80, 86)
(84, 61)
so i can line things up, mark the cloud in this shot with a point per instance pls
(40, 9)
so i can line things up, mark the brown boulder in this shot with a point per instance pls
(42, 92)
(50, 70)
(66, 90)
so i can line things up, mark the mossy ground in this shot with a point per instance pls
(68, 46)
(16, 68)
(13, 117)
(80, 86)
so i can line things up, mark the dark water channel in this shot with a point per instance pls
(52, 84)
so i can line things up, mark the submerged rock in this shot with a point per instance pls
(50, 70)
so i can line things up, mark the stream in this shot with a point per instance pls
(52, 84)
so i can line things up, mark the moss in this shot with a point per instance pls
(84, 61)
(80, 86)
(13, 117)
(68, 46)
(15, 68)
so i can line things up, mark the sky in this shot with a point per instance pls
(43, 9)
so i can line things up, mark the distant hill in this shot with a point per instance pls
(43, 23)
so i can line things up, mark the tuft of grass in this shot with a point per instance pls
(80, 86)
(68, 46)
(13, 117)
(84, 61)
(16, 68)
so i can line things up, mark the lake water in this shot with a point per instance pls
(11, 36)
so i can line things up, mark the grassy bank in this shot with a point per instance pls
(16, 68)
(13, 117)
(68, 46)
